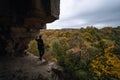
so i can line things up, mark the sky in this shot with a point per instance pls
(83, 13)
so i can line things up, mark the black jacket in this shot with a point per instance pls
(40, 43)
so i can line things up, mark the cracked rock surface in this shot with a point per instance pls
(28, 67)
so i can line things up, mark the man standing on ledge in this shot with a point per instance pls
(40, 46)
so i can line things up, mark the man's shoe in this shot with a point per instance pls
(40, 58)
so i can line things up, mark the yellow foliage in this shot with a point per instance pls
(107, 64)
(54, 59)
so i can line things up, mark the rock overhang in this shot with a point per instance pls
(20, 21)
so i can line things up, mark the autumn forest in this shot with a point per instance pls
(85, 54)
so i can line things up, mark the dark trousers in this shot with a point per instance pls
(41, 53)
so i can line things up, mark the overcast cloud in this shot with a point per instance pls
(82, 13)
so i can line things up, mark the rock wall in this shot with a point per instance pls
(21, 21)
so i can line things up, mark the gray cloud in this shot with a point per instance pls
(106, 14)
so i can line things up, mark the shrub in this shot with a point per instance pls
(32, 48)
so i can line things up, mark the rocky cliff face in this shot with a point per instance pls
(21, 20)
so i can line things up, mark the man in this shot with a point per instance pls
(40, 46)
